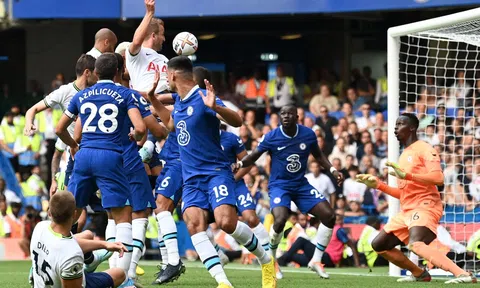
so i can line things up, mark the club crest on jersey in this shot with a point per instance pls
(189, 110)
(303, 146)
(277, 200)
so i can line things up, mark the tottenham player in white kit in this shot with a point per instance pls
(57, 255)
(105, 42)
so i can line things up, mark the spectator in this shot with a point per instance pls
(381, 95)
(326, 122)
(367, 120)
(354, 209)
(10, 135)
(34, 189)
(347, 112)
(251, 124)
(282, 89)
(352, 190)
(28, 150)
(12, 223)
(10, 196)
(29, 221)
(274, 122)
(380, 146)
(365, 138)
(336, 246)
(323, 99)
(256, 95)
(321, 182)
(245, 136)
(458, 92)
(474, 187)
(430, 136)
(364, 244)
(340, 151)
(58, 81)
(363, 87)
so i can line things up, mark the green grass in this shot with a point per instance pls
(15, 273)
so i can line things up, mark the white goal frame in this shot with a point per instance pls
(393, 52)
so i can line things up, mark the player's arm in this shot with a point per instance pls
(138, 124)
(61, 129)
(89, 245)
(160, 110)
(242, 171)
(166, 98)
(30, 128)
(323, 161)
(71, 272)
(142, 29)
(72, 283)
(223, 113)
(57, 157)
(77, 131)
(158, 130)
(249, 159)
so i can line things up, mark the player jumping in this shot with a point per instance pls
(208, 180)
(290, 145)
(102, 110)
(418, 174)
(105, 42)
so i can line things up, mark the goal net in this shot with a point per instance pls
(433, 71)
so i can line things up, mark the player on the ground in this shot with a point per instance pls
(102, 109)
(418, 175)
(289, 146)
(105, 41)
(61, 97)
(234, 149)
(208, 182)
(57, 254)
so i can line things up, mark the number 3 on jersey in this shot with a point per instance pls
(293, 163)
(104, 117)
(183, 136)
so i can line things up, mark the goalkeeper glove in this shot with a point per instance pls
(397, 171)
(367, 179)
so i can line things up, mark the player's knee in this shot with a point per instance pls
(330, 220)
(118, 276)
(378, 244)
(252, 220)
(163, 204)
(279, 224)
(227, 224)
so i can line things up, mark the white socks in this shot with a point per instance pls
(275, 239)
(162, 247)
(211, 237)
(244, 235)
(124, 235)
(322, 238)
(139, 227)
(110, 233)
(262, 236)
(209, 257)
(169, 231)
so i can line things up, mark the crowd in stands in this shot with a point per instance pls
(349, 119)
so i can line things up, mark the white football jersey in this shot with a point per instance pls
(95, 53)
(62, 97)
(142, 67)
(54, 257)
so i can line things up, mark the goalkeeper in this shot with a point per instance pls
(418, 173)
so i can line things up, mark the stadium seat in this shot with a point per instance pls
(451, 112)
(337, 114)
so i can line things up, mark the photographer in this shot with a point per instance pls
(29, 220)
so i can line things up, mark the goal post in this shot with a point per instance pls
(424, 59)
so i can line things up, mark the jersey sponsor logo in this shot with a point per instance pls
(281, 148)
(183, 136)
(155, 67)
(294, 164)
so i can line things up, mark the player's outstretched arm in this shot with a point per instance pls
(89, 245)
(248, 160)
(160, 109)
(57, 157)
(373, 182)
(62, 133)
(138, 124)
(223, 113)
(30, 128)
(142, 29)
(323, 161)
(433, 177)
(158, 130)
(242, 171)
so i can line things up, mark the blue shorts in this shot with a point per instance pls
(305, 197)
(142, 195)
(209, 191)
(98, 280)
(244, 199)
(69, 170)
(169, 182)
(155, 161)
(103, 169)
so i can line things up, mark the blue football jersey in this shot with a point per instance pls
(131, 159)
(170, 150)
(232, 145)
(198, 137)
(289, 155)
(102, 109)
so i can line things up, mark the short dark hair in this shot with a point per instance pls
(120, 65)
(181, 63)
(200, 74)
(412, 119)
(85, 62)
(106, 66)
(62, 207)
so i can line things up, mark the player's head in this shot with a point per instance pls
(374, 222)
(85, 67)
(406, 126)
(106, 66)
(105, 40)
(288, 116)
(180, 70)
(120, 67)
(155, 35)
(122, 47)
(62, 208)
(200, 74)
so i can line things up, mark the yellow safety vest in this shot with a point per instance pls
(56, 114)
(10, 137)
(366, 248)
(35, 142)
(284, 243)
(473, 244)
(38, 182)
(383, 84)
(152, 228)
(27, 192)
(19, 124)
(2, 231)
(42, 122)
(272, 86)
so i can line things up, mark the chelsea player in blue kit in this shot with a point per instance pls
(290, 146)
(234, 149)
(208, 180)
(102, 109)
